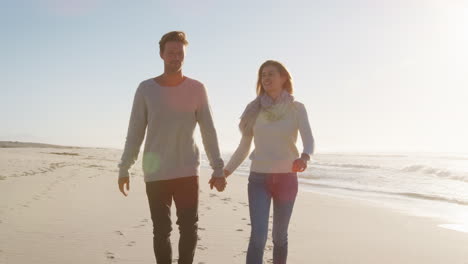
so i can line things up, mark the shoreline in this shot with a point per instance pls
(449, 218)
(450, 214)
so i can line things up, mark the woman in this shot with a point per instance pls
(272, 120)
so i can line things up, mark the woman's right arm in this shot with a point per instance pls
(239, 155)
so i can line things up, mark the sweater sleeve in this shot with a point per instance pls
(304, 128)
(136, 133)
(240, 154)
(208, 133)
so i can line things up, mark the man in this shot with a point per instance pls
(167, 108)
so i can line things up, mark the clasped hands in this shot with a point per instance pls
(219, 182)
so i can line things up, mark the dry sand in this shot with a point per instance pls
(63, 206)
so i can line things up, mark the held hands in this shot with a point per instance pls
(218, 182)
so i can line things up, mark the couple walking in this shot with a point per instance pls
(167, 109)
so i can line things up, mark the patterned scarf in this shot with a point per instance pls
(273, 110)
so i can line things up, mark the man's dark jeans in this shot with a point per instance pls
(160, 194)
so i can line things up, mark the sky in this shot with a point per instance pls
(374, 75)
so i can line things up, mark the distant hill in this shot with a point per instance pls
(17, 144)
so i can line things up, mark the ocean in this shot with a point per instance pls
(428, 185)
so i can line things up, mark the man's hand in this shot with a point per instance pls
(226, 173)
(299, 165)
(218, 182)
(122, 182)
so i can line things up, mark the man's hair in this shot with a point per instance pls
(288, 85)
(172, 36)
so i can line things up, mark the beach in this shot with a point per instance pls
(62, 205)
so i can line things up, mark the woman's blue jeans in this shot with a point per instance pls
(262, 188)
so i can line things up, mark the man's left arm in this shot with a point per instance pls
(208, 133)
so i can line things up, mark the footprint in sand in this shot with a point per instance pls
(119, 233)
(201, 228)
(243, 253)
(144, 221)
(201, 247)
(110, 255)
(131, 244)
(239, 230)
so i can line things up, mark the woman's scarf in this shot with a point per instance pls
(273, 110)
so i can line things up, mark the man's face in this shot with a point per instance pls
(173, 56)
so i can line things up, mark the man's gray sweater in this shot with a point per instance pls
(168, 116)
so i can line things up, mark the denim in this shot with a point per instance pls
(262, 189)
(184, 192)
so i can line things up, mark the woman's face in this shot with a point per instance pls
(272, 81)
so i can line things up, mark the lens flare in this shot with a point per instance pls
(151, 162)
